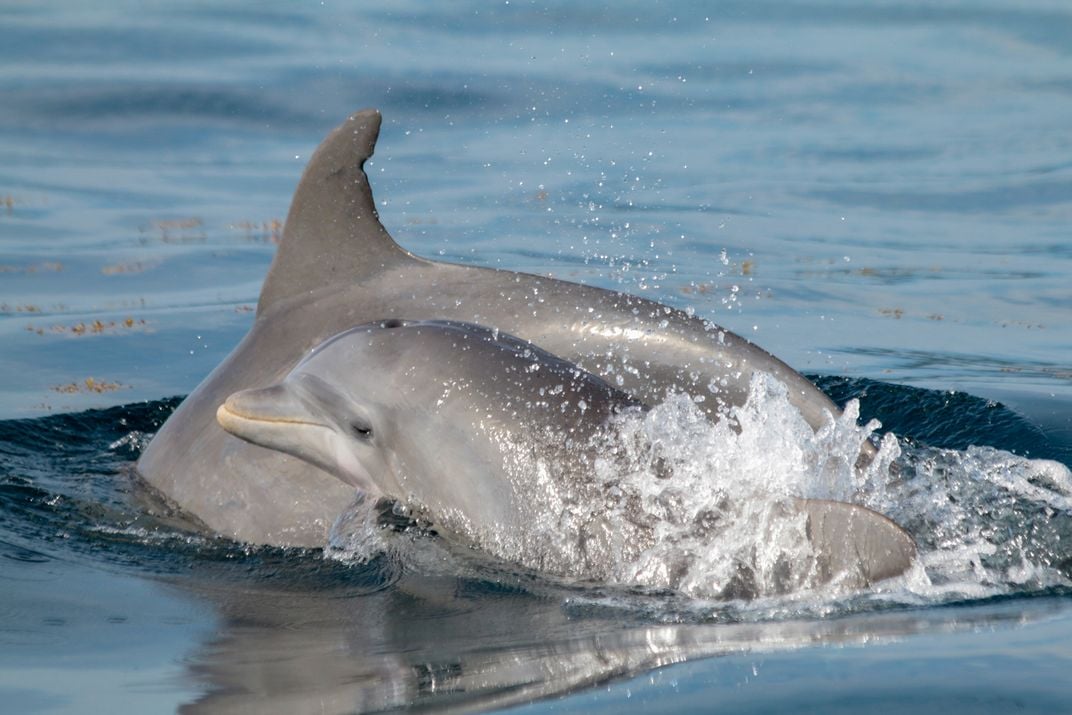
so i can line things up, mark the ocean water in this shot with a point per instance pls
(879, 193)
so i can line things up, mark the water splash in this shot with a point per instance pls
(675, 504)
(702, 509)
(719, 498)
(988, 522)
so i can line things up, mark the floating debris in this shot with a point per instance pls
(43, 267)
(96, 327)
(24, 308)
(179, 230)
(129, 267)
(699, 288)
(89, 385)
(264, 232)
(1021, 324)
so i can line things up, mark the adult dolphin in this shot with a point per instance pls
(500, 445)
(337, 267)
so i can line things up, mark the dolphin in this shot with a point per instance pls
(337, 267)
(493, 442)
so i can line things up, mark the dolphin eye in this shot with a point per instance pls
(361, 430)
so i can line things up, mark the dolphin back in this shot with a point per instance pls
(336, 268)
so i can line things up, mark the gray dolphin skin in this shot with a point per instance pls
(494, 443)
(449, 418)
(336, 268)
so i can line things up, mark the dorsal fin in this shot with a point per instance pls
(333, 233)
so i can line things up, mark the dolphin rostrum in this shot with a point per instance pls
(336, 268)
(498, 444)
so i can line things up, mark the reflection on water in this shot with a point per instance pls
(445, 646)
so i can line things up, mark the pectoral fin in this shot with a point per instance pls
(855, 546)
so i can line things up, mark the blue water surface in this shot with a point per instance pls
(880, 193)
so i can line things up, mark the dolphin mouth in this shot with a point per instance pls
(247, 413)
(228, 416)
(227, 413)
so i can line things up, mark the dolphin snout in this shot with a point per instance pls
(287, 418)
(252, 409)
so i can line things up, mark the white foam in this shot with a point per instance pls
(135, 440)
(677, 502)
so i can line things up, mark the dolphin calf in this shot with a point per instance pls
(337, 267)
(494, 442)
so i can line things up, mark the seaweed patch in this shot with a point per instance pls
(95, 327)
(89, 385)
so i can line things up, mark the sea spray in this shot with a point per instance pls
(670, 500)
